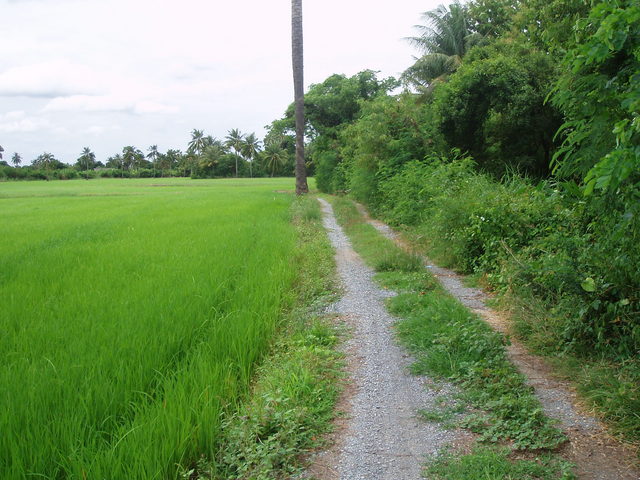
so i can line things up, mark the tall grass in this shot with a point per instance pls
(132, 316)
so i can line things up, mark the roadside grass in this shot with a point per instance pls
(450, 342)
(497, 464)
(292, 400)
(134, 316)
(611, 388)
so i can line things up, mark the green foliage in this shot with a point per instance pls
(444, 39)
(492, 18)
(600, 97)
(548, 24)
(493, 107)
(336, 101)
(389, 133)
(329, 107)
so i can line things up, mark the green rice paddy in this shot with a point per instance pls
(132, 315)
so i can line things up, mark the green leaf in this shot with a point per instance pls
(588, 285)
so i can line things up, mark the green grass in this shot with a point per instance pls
(133, 315)
(486, 463)
(295, 389)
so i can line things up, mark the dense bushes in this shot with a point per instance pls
(534, 240)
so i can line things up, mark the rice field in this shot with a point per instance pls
(132, 313)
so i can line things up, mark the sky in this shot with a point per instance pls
(105, 74)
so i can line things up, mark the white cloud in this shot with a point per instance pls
(50, 79)
(147, 106)
(19, 122)
(100, 129)
(106, 103)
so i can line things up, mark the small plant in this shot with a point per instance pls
(498, 463)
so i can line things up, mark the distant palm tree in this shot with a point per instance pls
(1, 150)
(16, 159)
(274, 157)
(173, 158)
(235, 140)
(44, 161)
(444, 39)
(132, 157)
(153, 156)
(197, 143)
(250, 150)
(87, 158)
(298, 89)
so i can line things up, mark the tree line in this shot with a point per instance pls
(237, 155)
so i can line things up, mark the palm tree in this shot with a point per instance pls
(44, 160)
(444, 39)
(274, 156)
(251, 149)
(1, 150)
(197, 143)
(298, 92)
(86, 158)
(173, 158)
(235, 140)
(153, 156)
(132, 157)
(16, 159)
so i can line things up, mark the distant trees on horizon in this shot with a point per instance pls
(238, 155)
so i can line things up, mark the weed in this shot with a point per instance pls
(498, 464)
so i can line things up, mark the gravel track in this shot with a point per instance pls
(383, 439)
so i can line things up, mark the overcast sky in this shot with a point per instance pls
(110, 73)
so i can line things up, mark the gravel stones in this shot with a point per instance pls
(383, 438)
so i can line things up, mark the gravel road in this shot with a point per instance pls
(383, 438)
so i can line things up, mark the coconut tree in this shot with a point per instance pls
(153, 156)
(251, 149)
(132, 157)
(235, 140)
(87, 158)
(1, 150)
(44, 161)
(16, 159)
(274, 156)
(197, 143)
(298, 92)
(444, 38)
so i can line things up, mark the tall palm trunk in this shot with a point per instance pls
(298, 88)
